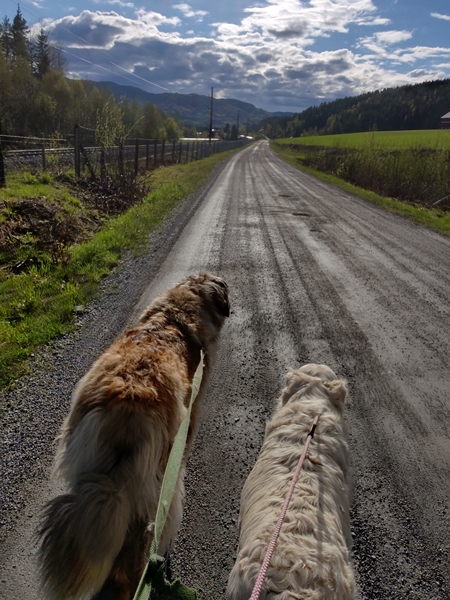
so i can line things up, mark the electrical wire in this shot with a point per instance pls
(92, 63)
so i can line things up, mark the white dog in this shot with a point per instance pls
(312, 555)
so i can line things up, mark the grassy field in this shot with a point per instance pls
(40, 293)
(433, 138)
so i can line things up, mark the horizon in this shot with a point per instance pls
(279, 55)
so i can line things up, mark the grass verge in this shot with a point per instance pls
(435, 219)
(41, 303)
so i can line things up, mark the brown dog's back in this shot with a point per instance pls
(114, 445)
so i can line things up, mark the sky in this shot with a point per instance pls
(280, 55)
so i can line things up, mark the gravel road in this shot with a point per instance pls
(316, 275)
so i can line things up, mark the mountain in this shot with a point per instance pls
(418, 106)
(192, 109)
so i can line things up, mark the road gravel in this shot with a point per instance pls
(315, 275)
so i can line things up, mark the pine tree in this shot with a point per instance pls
(20, 31)
(6, 39)
(42, 62)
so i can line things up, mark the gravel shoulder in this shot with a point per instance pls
(316, 275)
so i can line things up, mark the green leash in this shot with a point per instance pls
(154, 577)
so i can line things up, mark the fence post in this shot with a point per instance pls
(121, 165)
(162, 151)
(147, 154)
(2, 164)
(155, 150)
(136, 157)
(187, 151)
(76, 143)
(179, 155)
(44, 165)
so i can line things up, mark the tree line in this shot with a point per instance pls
(37, 99)
(419, 106)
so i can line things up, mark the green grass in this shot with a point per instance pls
(435, 219)
(40, 304)
(433, 138)
(22, 185)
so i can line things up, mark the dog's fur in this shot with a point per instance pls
(312, 555)
(114, 445)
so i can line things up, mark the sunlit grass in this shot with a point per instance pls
(432, 138)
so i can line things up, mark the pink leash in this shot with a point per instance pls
(271, 547)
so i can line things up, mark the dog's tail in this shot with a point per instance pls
(81, 533)
(110, 460)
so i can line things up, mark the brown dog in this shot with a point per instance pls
(114, 445)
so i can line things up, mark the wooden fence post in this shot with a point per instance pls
(2, 164)
(155, 150)
(147, 155)
(136, 157)
(44, 164)
(179, 155)
(76, 144)
(121, 165)
(187, 151)
(173, 152)
(162, 151)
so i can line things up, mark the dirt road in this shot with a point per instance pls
(316, 275)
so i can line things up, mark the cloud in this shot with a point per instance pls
(376, 22)
(379, 41)
(293, 18)
(392, 37)
(270, 57)
(115, 2)
(438, 16)
(187, 11)
(412, 55)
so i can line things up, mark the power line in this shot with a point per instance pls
(99, 50)
(91, 62)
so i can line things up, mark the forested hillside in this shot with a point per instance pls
(36, 97)
(408, 107)
(192, 109)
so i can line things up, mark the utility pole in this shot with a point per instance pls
(211, 116)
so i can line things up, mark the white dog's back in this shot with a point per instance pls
(312, 556)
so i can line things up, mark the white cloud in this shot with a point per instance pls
(376, 22)
(392, 37)
(438, 16)
(120, 3)
(187, 11)
(378, 42)
(293, 19)
(270, 58)
(412, 55)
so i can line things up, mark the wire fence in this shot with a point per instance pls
(78, 151)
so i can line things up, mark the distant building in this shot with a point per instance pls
(445, 121)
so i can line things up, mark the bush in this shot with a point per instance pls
(419, 175)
